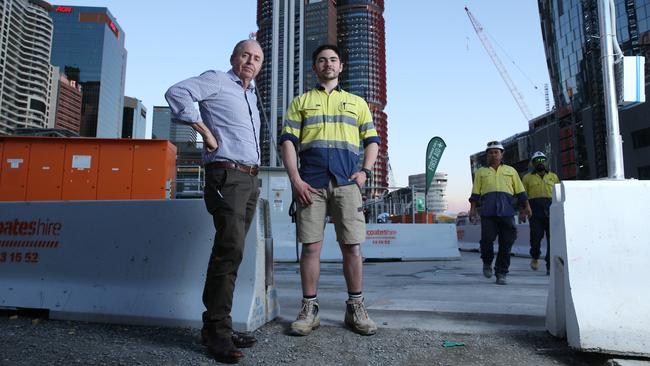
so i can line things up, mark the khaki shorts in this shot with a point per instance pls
(345, 207)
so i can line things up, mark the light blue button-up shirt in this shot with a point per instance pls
(229, 111)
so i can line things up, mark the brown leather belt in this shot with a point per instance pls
(251, 170)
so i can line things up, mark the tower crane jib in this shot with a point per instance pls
(478, 28)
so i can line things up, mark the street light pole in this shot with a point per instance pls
(615, 168)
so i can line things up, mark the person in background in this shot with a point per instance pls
(539, 187)
(495, 187)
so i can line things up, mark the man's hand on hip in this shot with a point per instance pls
(210, 142)
(302, 191)
(359, 178)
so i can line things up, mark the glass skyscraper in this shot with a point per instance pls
(362, 37)
(164, 129)
(574, 134)
(134, 120)
(91, 40)
(313, 23)
(356, 26)
(570, 30)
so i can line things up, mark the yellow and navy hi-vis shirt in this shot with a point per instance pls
(328, 130)
(539, 190)
(495, 189)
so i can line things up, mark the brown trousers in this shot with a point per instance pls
(231, 198)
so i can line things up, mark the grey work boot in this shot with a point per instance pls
(307, 319)
(501, 279)
(356, 318)
(487, 270)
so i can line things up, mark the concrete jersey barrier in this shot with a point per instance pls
(136, 262)
(599, 297)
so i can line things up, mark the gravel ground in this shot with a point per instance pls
(29, 341)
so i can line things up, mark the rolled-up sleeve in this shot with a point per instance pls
(292, 124)
(182, 96)
(367, 131)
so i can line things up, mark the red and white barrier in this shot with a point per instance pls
(383, 241)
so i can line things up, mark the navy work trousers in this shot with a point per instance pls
(503, 227)
(539, 225)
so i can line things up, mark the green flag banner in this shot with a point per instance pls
(434, 153)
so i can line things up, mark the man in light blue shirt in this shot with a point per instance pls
(229, 122)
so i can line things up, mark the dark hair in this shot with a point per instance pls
(321, 48)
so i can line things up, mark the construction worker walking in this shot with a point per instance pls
(539, 187)
(495, 187)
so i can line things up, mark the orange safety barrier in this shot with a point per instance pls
(420, 218)
(52, 168)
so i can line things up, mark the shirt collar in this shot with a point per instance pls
(236, 79)
(337, 88)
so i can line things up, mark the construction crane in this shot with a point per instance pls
(497, 62)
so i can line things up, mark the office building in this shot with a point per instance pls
(163, 128)
(68, 108)
(90, 40)
(134, 120)
(574, 134)
(26, 76)
(571, 36)
(356, 26)
(362, 38)
(436, 199)
(313, 23)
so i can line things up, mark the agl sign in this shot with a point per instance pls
(63, 9)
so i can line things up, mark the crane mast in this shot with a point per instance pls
(497, 63)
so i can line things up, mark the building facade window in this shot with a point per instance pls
(641, 138)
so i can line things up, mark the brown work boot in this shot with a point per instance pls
(221, 348)
(534, 264)
(307, 319)
(356, 318)
(240, 340)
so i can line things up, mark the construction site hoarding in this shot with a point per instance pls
(53, 168)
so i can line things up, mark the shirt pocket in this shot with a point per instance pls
(311, 114)
(349, 109)
(312, 122)
(504, 182)
(487, 183)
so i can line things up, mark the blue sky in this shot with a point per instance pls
(441, 82)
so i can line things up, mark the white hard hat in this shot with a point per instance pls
(538, 154)
(494, 145)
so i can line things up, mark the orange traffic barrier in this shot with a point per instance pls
(420, 218)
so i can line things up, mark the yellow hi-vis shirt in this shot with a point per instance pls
(495, 190)
(328, 130)
(539, 190)
(540, 187)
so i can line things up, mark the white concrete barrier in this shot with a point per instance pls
(399, 241)
(469, 237)
(599, 297)
(141, 262)
(383, 241)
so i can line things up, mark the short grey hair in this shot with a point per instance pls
(240, 45)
